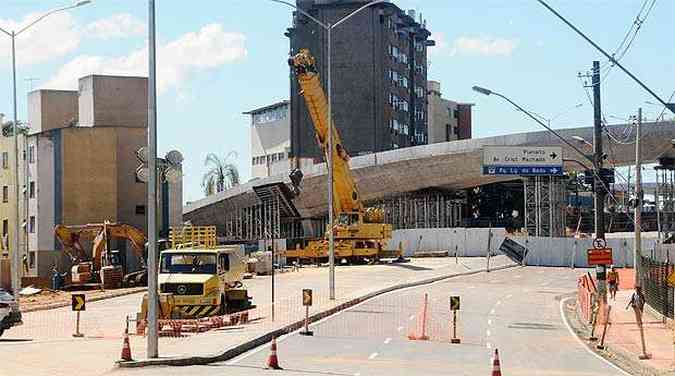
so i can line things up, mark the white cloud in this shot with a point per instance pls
(55, 36)
(208, 48)
(483, 46)
(441, 44)
(116, 26)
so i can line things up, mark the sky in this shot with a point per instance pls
(219, 58)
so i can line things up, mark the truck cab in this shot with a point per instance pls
(202, 282)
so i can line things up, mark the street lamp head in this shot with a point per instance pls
(81, 3)
(482, 90)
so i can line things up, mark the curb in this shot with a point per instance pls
(265, 338)
(96, 299)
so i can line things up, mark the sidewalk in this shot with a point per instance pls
(623, 336)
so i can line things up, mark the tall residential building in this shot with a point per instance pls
(81, 163)
(448, 120)
(379, 75)
(8, 201)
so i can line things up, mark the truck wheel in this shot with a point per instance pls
(223, 306)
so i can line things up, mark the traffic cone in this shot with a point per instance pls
(496, 369)
(126, 349)
(273, 360)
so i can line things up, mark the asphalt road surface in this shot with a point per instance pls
(517, 311)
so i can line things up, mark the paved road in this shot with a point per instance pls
(44, 345)
(514, 310)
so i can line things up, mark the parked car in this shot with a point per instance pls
(10, 315)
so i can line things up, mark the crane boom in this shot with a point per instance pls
(347, 197)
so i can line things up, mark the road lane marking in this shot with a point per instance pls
(517, 276)
(399, 328)
(490, 322)
(386, 341)
(509, 296)
(569, 328)
(492, 312)
(499, 302)
(411, 318)
(373, 356)
(487, 333)
(472, 287)
(488, 345)
(357, 374)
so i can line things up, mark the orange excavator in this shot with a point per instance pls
(104, 265)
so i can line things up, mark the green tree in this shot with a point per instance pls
(221, 175)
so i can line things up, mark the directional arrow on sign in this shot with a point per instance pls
(78, 302)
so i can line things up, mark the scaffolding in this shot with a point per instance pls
(664, 199)
(545, 203)
(422, 210)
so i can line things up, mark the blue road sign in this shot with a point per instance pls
(523, 170)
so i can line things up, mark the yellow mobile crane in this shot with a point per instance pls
(359, 233)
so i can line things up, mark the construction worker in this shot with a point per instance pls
(637, 302)
(613, 282)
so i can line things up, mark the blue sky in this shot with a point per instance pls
(221, 58)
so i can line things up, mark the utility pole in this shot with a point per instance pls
(599, 186)
(637, 249)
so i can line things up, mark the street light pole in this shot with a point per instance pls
(16, 276)
(329, 28)
(153, 341)
(331, 235)
(637, 249)
(16, 280)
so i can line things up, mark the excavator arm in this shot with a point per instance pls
(347, 197)
(70, 237)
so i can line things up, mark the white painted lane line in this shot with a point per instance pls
(357, 374)
(373, 356)
(499, 302)
(518, 276)
(492, 312)
(472, 287)
(487, 333)
(412, 317)
(490, 322)
(399, 328)
(569, 328)
(386, 341)
(509, 296)
(488, 345)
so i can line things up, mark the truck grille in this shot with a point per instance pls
(182, 288)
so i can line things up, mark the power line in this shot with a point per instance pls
(630, 37)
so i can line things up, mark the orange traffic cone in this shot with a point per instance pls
(496, 369)
(126, 349)
(273, 360)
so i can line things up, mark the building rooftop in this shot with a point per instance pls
(268, 107)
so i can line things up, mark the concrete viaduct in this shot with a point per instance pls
(452, 165)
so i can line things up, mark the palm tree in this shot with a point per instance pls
(222, 174)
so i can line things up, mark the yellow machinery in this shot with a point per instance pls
(104, 265)
(197, 278)
(359, 232)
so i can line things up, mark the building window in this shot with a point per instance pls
(31, 224)
(5, 227)
(5, 160)
(5, 194)
(270, 115)
(419, 91)
(140, 209)
(31, 190)
(31, 154)
(448, 132)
